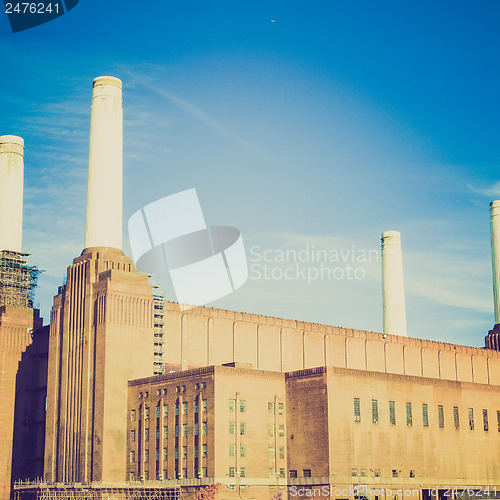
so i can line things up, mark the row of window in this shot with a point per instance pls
(232, 405)
(196, 429)
(184, 453)
(425, 415)
(376, 473)
(179, 388)
(185, 406)
(160, 477)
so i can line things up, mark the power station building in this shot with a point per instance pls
(262, 405)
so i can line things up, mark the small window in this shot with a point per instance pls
(184, 452)
(165, 392)
(177, 453)
(157, 433)
(158, 411)
(132, 417)
(204, 404)
(146, 394)
(204, 428)
(165, 432)
(231, 487)
(132, 457)
(377, 473)
(196, 406)
(374, 411)
(408, 415)
(157, 455)
(203, 472)
(232, 405)
(132, 476)
(243, 472)
(204, 385)
(270, 451)
(184, 429)
(270, 430)
(392, 412)
(231, 450)
(306, 473)
(146, 413)
(196, 428)
(232, 427)
(243, 406)
(165, 410)
(281, 430)
(363, 473)
(204, 451)
(165, 454)
(485, 420)
(183, 388)
(178, 388)
(184, 408)
(281, 408)
(471, 419)
(272, 472)
(292, 473)
(132, 436)
(394, 473)
(425, 414)
(270, 408)
(196, 454)
(354, 472)
(176, 431)
(232, 471)
(176, 409)
(357, 412)
(282, 472)
(146, 455)
(184, 473)
(282, 452)
(441, 416)
(146, 434)
(412, 473)
(498, 420)
(456, 417)
(243, 428)
(158, 392)
(243, 450)
(196, 386)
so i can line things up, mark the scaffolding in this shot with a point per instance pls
(18, 280)
(145, 490)
(159, 330)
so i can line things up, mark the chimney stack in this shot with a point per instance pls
(393, 294)
(11, 192)
(493, 338)
(103, 226)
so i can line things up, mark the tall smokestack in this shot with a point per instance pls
(495, 255)
(11, 192)
(393, 294)
(103, 227)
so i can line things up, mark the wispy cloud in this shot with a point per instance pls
(492, 191)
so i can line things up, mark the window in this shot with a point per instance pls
(243, 472)
(132, 476)
(157, 433)
(357, 412)
(203, 385)
(292, 473)
(243, 428)
(281, 430)
(196, 454)
(231, 450)
(281, 408)
(282, 452)
(184, 472)
(146, 455)
(232, 427)
(132, 436)
(158, 392)
(243, 450)
(146, 413)
(146, 394)
(132, 415)
(456, 418)
(196, 386)
(272, 472)
(158, 411)
(243, 406)
(232, 405)
(176, 431)
(441, 416)
(471, 419)
(204, 451)
(204, 428)
(271, 451)
(374, 411)
(394, 473)
(177, 454)
(196, 406)
(165, 410)
(282, 472)
(184, 452)
(146, 434)
(184, 407)
(204, 404)
(157, 455)
(176, 409)
(485, 420)
(270, 408)
(132, 457)
(231, 487)
(232, 471)
(270, 429)
(183, 388)
(165, 391)
(354, 472)
(377, 473)
(203, 472)
(425, 414)
(196, 428)
(498, 420)
(165, 432)
(165, 453)
(363, 473)
(306, 473)
(146, 473)
(408, 415)
(392, 412)
(412, 473)
(184, 429)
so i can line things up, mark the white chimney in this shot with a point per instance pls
(11, 192)
(393, 294)
(495, 254)
(103, 227)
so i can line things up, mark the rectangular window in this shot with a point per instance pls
(177, 453)
(232, 471)
(146, 455)
(485, 420)
(498, 420)
(204, 404)
(270, 429)
(282, 472)
(183, 388)
(357, 411)
(165, 432)
(471, 419)
(392, 412)
(271, 451)
(232, 405)
(176, 409)
(243, 406)
(146, 413)
(425, 414)
(243, 472)
(292, 473)
(184, 408)
(132, 457)
(281, 408)
(196, 454)
(176, 431)
(157, 455)
(158, 411)
(270, 408)
(374, 411)
(165, 410)
(412, 473)
(196, 428)
(184, 429)
(232, 427)
(282, 452)
(243, 450)
(377, 473)
(456, 417)
(203, 472)
(441, 416)
(408, 415)
(146, 473)
(146, 434)
(394, 473)
(184, 471)
(231, 450)
(184, 452)
(203, 385)
(354, 472)
(157, 433)
(281, 430)
(165, 453)
(272, 472)
(132, 476)
(306, 473)
(196, 406)
(204, 451)
(132, 415)
(132, 436)
(363, 473)
(243, 428)
(204, 428)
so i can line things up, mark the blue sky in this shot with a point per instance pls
(304, 124)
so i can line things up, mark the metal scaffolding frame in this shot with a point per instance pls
(18, 280)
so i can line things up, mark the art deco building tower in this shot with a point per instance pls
(101, 327)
